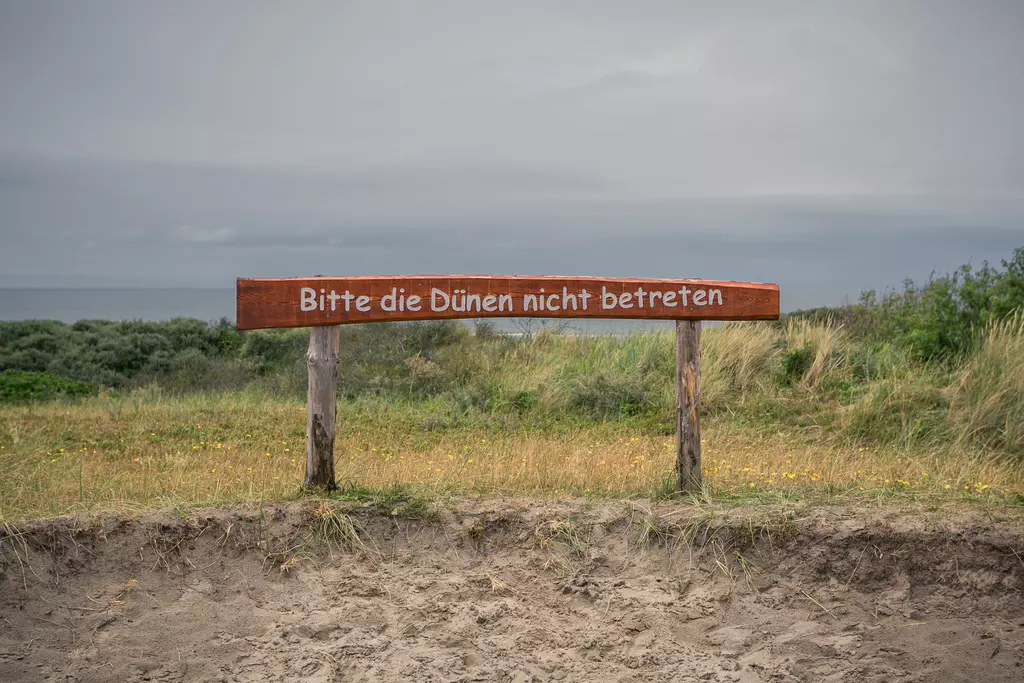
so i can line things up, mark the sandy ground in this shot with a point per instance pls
(514, 591)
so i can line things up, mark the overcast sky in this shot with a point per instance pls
(826, 146)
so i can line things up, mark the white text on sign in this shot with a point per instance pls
(464, 301)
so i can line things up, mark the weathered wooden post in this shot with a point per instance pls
(688, 468)
(321, 406)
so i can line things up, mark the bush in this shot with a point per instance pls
(272, 350)
(940, 320)
(17, 386)
(109, 353)
(795, 364)
(603, 395)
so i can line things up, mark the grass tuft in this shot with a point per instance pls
(332, 529)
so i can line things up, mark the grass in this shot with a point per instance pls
(988, 400)
(332, 528)
(793, 411)
(148, 450)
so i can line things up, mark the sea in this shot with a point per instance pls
(212, 305)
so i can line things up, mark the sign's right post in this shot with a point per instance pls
(688, 468)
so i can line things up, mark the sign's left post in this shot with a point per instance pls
(321, 406)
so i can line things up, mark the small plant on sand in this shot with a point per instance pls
(569, 545)
(332, 529)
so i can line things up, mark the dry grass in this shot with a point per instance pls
(736, 359)
(988, 397)
(910, 431)
(825, 341)
(149, 451)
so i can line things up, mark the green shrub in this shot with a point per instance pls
(17, 386)
(941, 319)
(109, 353)
(795, 364)
(604, 395)
(272, 351)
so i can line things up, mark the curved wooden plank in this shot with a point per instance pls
(313, 301)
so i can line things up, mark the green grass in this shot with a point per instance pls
(19, 386)
(796, 410)
(144, 449)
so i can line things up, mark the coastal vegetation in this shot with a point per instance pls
(915, 393)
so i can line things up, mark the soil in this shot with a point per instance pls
(513, 590)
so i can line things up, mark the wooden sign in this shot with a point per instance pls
(317, 301)
(323, 303)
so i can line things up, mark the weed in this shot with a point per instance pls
(568, 544)
(122, 597)
(334, 529)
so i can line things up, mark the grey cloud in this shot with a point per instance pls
(200, 235)
(827, 146)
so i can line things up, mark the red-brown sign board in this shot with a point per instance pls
(311, 301)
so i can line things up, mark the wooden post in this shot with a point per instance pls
(321, 406)
(688, 468)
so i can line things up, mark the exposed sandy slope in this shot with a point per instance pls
(516, 591)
